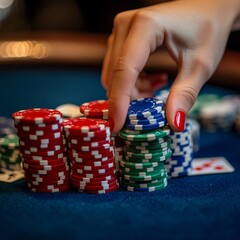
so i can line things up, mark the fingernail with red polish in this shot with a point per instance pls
(179, 120)
(111, 124)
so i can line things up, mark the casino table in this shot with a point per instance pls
(197, 207)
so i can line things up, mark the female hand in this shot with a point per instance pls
(195, 34)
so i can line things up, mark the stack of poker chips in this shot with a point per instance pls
(147, 146)
(91, 155)
(180, 163)
(99, 109)
(42, 148)
(9, 153)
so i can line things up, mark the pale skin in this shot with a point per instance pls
(194, 32)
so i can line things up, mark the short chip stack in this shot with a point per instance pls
(180, 163)
(147, 146)
(9, 153)
(42, 148)
(91, 155)
(99, 109)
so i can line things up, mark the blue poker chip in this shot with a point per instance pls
(177, 163)
(178, 169)
(144, 107)
(149, 120)
(147, 126)
(181, 174)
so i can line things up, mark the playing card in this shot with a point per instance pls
(213, 165)
(10, 176)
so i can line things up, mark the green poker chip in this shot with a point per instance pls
(129, 152)
(153, 147)
(139, 171)
(134, 184)
(155, 175)
(142, 165)
(151, 155)
(147, 189)
(156, 142)
(10, 141)
(132, 173)
(156, 158)
(146, 136)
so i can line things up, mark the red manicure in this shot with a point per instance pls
(179, 120)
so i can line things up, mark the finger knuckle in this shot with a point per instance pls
(120, 19)
(146, 16)
(190, 95)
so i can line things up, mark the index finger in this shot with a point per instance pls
(129, 63)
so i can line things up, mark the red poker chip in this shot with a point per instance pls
(45, 162)
(48, 135)
(42, 146)
(99, 191)
(48, 182)
(99, 183)
(103, 152)
(42, 141)
(55, 170)
(44, 167)
(37, 157)
(84, 160)
(83, 172)
(37, 116)
(90, 134)
(90, 157)
(94, 171)
(95, 186)
(92, 144)
(92, 175)
(84, 125)
(92, 163)
(92, 167)
(45, 178)
(36, 149)
(56, 183)
(41, 132)
(49, 189)
(23, 127)
(77, 139)
(95, 108)
(87, 179)
(41, 153)
(82, 148)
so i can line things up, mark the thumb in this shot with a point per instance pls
(183, 94)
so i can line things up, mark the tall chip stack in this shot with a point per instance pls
(147, 146)
(91, 155)
(99, 109)
(42, 148)
(180, 163)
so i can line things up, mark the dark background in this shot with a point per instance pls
(75, 16)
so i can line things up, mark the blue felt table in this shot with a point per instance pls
(200, 207)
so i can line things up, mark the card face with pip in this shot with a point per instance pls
(212, 165)
(10, 176)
